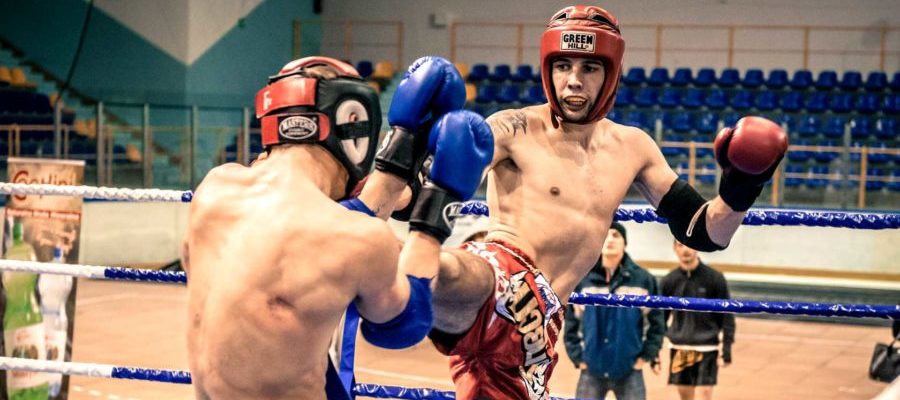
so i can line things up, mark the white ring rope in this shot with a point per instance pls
(94, 192)
(68, 368)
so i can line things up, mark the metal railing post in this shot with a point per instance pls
(148, 147)
(101, 149)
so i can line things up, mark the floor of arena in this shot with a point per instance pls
(143, 325)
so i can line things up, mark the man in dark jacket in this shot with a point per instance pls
(695, 335)
(609, 344)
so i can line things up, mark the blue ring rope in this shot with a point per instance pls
(833, 219)
(662, 302)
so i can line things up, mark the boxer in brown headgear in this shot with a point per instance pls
(559, 172)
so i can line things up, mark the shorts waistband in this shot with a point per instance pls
(520, 255)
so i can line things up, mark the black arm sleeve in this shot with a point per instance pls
(685, 209)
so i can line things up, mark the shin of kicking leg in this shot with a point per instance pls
(463, 284)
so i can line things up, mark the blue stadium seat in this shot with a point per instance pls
(895, 82)
(753, 78)
(624, 96)
(786, 120)
(730, 119)
(868, 103)
(365, 68)
(716, 99)
(886, 128)
(742, 100)
(682, 122)
(535, 95)
(508, 94)
(682, 77)
(895, 185)
(875, 185)
(879, 158)
(706, 173)
(800, 156)
(637, 119)
(851, 81)
(891, 103)
(502, 73)
(674, 151)
(670, 98)
(793, 181)
(646, 97)
(810, 126)
(693, 98)
(801, 80)
(834, 128)
(614, 115)
(827, 80)
(876, 81)
(816, 102)
(841, 103)
(523, 73)
(636, 76)
(826, 156)
(487, 93)
(681, 169)
(704, 152)
(708, 123)
(820, 181)
(730, 77)
(860, 128)
(478, 73)
(778, 78)
(705, 77)
(658, 77)
(791, 102)
(855, 156)
(765, 100)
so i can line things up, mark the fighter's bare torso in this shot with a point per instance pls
(553, 191)
(269, 280)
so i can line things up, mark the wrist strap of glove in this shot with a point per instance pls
(399, 154)
(435, 212)
(739, 189)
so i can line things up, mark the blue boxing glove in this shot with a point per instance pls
(431, 87)
(463, 146)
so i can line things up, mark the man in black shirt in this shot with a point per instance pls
(695, 335)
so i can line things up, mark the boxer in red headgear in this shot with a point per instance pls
(558, 174)
(274, 260)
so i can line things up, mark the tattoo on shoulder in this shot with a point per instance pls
(510, 122)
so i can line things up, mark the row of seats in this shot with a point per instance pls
(14, 77)
(754, 78)
(820, 177)
(718, 99)
(814, 177)
(861, 128)
(507, 94)
(826, 80)
(27, 107)
(826, 156)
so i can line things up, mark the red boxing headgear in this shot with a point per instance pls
(586, 32)
(342, 114)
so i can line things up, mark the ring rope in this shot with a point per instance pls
(94, 192)
(739, 306)
(615, 300)
(184, 377)
(835, 219)
(95, 271)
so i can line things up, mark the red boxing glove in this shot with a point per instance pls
(749, 154)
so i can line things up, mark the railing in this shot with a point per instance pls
(667, 44)
(352, 39)
(195, 147)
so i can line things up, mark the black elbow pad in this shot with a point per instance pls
(685, 209)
